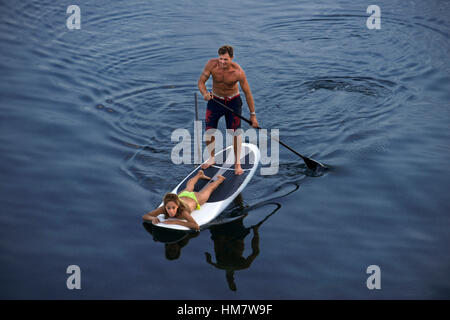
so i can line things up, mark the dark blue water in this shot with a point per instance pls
(87, 115)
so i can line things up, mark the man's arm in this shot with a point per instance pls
(206, 73)
(255, 247)
(249, 97)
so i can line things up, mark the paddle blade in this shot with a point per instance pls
(315, 168)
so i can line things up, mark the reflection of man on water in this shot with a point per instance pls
(229, 248)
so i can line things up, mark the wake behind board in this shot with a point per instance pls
(227, 190)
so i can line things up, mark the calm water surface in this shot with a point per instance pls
(87, 115)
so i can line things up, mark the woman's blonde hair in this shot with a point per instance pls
(174, 198)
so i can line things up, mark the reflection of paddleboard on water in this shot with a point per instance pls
(227, 190)
(165, 235)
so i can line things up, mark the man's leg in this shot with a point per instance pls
(234, 123)
(210, 146)
(212, 117)
(237, 145)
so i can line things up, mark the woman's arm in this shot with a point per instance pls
(152, 215)
(190, 222)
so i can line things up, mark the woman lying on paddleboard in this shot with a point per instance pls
(180, 206)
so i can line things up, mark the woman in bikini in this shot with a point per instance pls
(180, 206)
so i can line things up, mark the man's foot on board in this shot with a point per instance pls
(202, 175)
(238, 169)
(211, 161)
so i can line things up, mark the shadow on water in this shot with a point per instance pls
(228, 233)
(174, 240)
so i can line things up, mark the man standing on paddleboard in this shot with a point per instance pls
(226, 75)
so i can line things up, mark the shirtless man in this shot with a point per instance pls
(226, 75)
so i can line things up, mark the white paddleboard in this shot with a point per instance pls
(227, 190)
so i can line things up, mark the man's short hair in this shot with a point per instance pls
(226, 49)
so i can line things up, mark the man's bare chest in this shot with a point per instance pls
(225, 77)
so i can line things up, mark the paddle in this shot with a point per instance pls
(310, 163)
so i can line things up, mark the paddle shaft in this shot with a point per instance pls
(250, 123)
